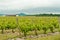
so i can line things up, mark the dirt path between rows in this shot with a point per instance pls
(41, 35)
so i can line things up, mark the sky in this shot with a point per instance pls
(17, 6)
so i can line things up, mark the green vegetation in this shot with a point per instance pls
(26, 25)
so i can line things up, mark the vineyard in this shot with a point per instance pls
(29, 25)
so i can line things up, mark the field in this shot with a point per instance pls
(30, 28)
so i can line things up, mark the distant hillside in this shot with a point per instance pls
(22, 14)
(1, 14)
(45, 15)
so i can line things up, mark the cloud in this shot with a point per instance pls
(16, 4)
(24, 4)
(21, 4)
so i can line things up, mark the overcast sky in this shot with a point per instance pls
(8, 5)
